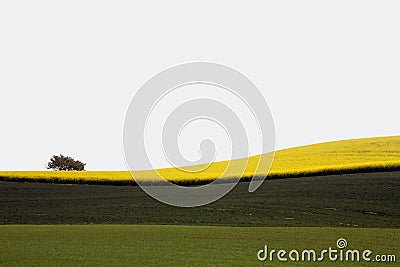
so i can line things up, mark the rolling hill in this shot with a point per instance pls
(338, 157)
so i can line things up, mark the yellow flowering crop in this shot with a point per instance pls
(357, 155)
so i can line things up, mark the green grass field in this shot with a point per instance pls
(81, 225)
(346, 189)
(133, 245)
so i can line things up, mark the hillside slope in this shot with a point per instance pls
(348, 156)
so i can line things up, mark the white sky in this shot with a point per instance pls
(329, 69)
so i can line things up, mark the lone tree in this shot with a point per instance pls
(62, 163)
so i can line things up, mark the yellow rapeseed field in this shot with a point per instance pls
(356, 155)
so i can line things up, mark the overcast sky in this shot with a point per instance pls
(68, 69)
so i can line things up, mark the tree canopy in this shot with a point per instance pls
(63, 163)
